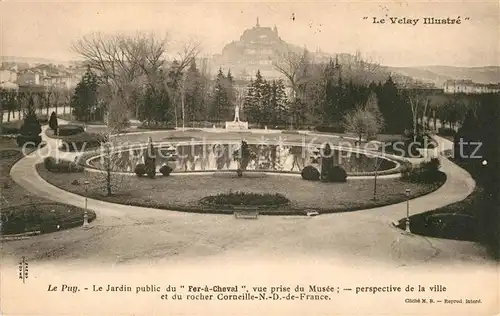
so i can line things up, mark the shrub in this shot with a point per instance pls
(156, 127)
(11, 128)
(411, 149)
(62, 166)
(30, 130)
(432, 165)
(8, 130)
(140, 170)
(53, 122)
(23, 139)
(333, 128)
(336, 174)
(49, 162)
(69, 130)
(166, 170)
(310, 173)
(426, 172)
(247, 199)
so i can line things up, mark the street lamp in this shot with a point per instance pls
(85, 214)
(407, 226)
(182, 104)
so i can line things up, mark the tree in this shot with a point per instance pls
(46, 98)
(31, 129)
(263, 100)
(331, 85)
(419, 101)
(85, 97)
(394, 108)
(220, 99)
(123, 62)
(372, 107)
(231, 96)
(194, 93)
(110, 180)
(277, 103)
(294, 66)
(9, 101)
(66, 95)
(361, 122)
(155, 106)
(53, 122)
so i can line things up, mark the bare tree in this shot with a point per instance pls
(419, 101)
(47, 97)
(295, 67)
(189, 51)
(126, 62)
(361, 122)
(66, 94)
(122, 62)
(108, 180)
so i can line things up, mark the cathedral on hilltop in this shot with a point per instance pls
(255, 50)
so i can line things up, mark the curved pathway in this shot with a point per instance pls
(134, 234)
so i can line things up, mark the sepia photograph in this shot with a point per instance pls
(249, 158)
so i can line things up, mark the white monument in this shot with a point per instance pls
(236, 124)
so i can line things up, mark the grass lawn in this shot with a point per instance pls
(24, 212)
(184, 192)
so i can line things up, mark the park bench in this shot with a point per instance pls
(246, 213)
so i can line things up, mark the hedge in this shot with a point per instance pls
(246, 199)
(23, 139)
(11, 128)
(330, 128)
(425, 172)
(69, 130)
(62, 166)
(156, 127)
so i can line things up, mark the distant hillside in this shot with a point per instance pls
(439, 74)
(31, 60)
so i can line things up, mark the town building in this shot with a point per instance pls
(469, 87)
(48, 76)
(28, 77)
(7, 75)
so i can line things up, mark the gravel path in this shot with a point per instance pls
(125, 234)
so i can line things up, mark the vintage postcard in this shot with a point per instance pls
(249, 158)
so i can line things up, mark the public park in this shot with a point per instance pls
(151, 158)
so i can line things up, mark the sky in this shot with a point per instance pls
(47, 29)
